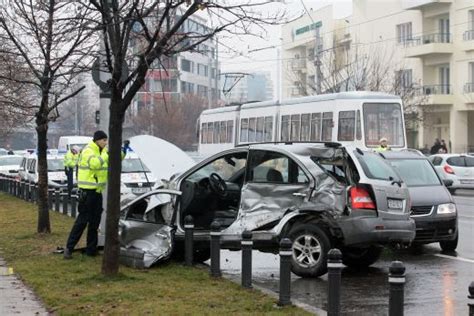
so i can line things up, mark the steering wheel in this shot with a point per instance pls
(218, 184)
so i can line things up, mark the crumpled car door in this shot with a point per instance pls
(146, 232)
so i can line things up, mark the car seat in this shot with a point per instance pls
(274, 175)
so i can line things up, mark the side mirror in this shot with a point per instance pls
(31, 171)
(448, 182)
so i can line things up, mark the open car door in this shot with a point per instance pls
(146, 229)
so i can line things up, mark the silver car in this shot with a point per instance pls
(319, 195)
(456, 167)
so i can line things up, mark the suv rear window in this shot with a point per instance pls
(375, 167)
(416, 172)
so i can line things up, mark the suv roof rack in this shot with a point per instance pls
(326, 144)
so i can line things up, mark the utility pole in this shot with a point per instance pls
(216, 75)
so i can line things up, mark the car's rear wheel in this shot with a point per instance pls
(361, 257)
(310, 246)
(449, 245)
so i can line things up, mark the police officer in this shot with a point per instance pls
(383, 145)
(70, 163)
(92, 177)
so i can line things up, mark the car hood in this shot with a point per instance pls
(429, 195)
(163, 158)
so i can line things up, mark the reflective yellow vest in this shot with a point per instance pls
(93, 165)
(381, 149)
(70, 159)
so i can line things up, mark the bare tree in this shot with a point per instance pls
(158, 29)
(50, 38)
(163, 119)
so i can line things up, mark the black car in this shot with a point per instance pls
(432, 206)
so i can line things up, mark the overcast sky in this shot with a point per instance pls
(235, 54)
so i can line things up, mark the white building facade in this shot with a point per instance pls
(429, 45)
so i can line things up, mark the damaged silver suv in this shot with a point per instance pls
(320, 195)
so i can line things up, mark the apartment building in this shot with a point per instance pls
(429, 46)
(195, 72)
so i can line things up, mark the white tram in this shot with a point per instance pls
(359, 118)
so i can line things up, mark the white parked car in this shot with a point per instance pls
(10, 164)
(67, 142)
(136, 177)
(25, 166)
(456, 167)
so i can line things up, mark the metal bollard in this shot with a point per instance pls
(396, 278)
(471, 299)
(334, 281)
(246, 246)
(50, 198)
(285, 272)
(64, 199)
(188, 240)
(57, 200)
(35, 193)
(73, 205)
(15, 187)
(215, 249)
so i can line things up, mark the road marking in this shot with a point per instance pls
(454, 258)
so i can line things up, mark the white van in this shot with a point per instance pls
(136, 178)
(66, 142)
(56, 175)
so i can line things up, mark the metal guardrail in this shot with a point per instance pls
(436, 89)
(429, 39)
(469, 87)
(468, 35)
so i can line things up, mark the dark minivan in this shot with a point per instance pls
(432, 206)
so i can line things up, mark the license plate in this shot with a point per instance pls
(467, 181)
(395, 204)
(139, 190)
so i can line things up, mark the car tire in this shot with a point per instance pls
(361, 257)
(199, 255)
(310, 247)
(449, 245)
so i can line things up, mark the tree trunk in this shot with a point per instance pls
(43, 210)
(110, 263)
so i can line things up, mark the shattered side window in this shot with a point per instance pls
(226, 166)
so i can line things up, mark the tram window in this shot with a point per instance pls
(252, 129)
(210, 132)
(259, 136)
(244, 130)
(358, 126)
(346, 126)
(305, 121)
(223, 137)
(316, 127)
(230, 131)
(383, 120)
(203, 133)
(268, 128)
(285, 128)
(326, 134)
(295, 127)
(216, 132)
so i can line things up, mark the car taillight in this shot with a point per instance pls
(448, 169)
(360, 198)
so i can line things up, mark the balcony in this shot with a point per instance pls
(469, 87)
(298, 64)
(468, 40)
(423, 4)
(429, 45)
(438, 94)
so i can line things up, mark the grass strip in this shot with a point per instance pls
(72, 287)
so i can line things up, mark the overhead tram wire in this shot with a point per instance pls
(355, 44)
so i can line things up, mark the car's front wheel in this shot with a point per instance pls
(361, 257)
(449, 245)
(310, 247)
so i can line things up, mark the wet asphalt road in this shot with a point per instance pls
(436, 283)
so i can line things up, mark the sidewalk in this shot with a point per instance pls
(15, 297)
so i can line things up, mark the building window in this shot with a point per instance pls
(202, 90)
(405, 78)
(187, 87)
(404, 32)
(202, 70)
(186, 65)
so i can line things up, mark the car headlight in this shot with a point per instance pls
(448, 208)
